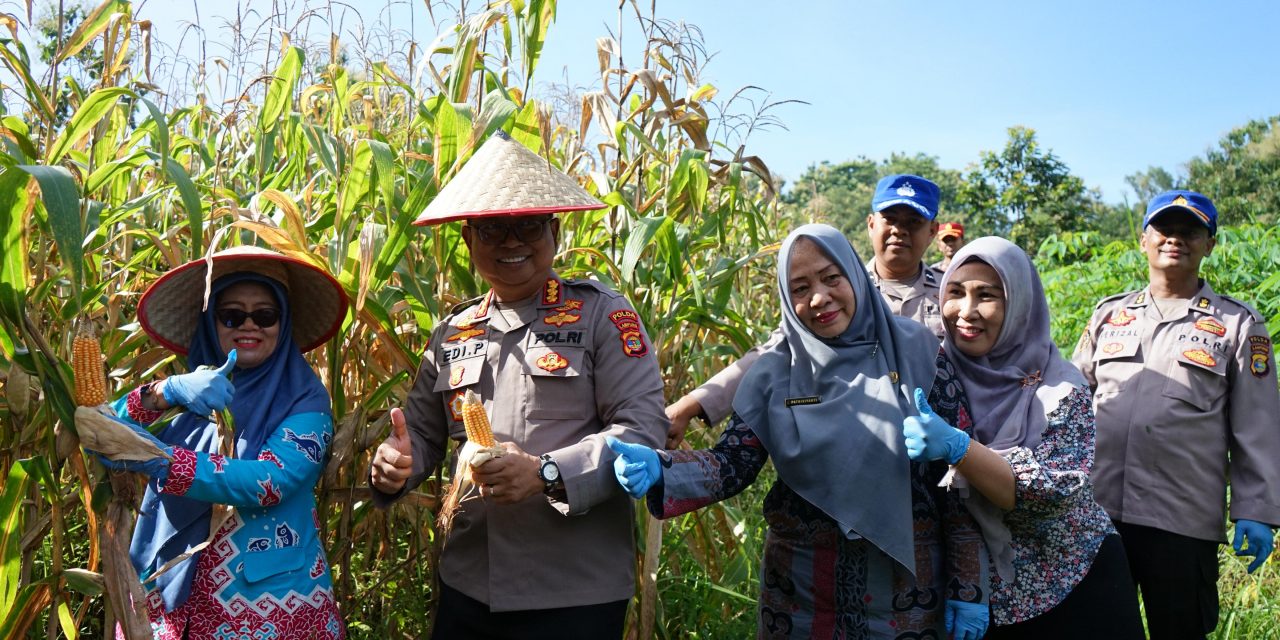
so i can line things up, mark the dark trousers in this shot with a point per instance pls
(1103, 605)
(1178, 577)
(460, 617)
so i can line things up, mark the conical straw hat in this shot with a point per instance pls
(170, 309)
(504, 178)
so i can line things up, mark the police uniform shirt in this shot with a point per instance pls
(916, 299)
(1184, 403)
(556, 376)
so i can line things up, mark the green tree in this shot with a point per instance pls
(1025, 192)
(1242, 175)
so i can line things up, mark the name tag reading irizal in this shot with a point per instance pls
(791, 402)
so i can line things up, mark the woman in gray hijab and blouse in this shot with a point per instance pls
(861, 543)
(1061, 570)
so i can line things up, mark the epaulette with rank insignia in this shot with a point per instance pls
(462, 306)
(1111, 298)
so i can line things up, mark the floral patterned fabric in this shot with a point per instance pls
(1056, 525)
(815, 583)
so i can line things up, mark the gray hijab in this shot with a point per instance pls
(830, 411)
(1013, 389)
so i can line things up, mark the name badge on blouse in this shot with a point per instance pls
(791, 402)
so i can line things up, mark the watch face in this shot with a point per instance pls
(550, 472)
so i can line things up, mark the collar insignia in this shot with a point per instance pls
(1203, 303)
(551, 292)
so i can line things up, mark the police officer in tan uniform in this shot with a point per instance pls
(1185, 395)
(901, 226)
(546, 550)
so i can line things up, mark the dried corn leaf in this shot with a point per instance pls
(112, 438)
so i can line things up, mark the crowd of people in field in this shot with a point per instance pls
(942, 469)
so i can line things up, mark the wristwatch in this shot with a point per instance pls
(549, 473)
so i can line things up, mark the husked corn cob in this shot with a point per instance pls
(476, 421)
(90, 378)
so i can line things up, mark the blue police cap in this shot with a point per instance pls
(1196, 204)
(913, 191)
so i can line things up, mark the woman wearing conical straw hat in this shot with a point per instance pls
(545, 549)
(263, 572)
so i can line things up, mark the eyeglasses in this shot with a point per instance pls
(233, 318)
(526, 230)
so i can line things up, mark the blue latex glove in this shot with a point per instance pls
(966, 620)
(1261, 541)
(157, 468)
(930, 437)
(202, 391)
(636, 467)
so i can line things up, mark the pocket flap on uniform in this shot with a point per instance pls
(459, 373)
(1112, 348)
(260, 565)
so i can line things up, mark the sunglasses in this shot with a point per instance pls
(526, 230)
(233, 318)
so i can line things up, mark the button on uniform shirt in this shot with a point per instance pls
(557, 374)
(917, 300)
(1184, 403)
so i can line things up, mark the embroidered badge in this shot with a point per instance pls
(1201, 356)
(455, 376)
(1203, 303)
(482, 311)
(467, 333)
(906, 190)
(791, 402)
(1122, 319)
(1212, 326)
(561, 318)
(570, 304)
(633, 342)
(1259, 355)
(552, 361)
(623, 315)
(1112, 347)
(455, 406)
(551, 292)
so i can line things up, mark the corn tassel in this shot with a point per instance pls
(479, 448)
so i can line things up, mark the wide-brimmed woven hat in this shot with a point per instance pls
(504, 178)
(170, 309)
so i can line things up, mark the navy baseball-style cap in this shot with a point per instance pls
(1196, 204)
(914, 191)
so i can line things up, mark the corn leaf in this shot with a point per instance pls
(82, 122)
(61, 198)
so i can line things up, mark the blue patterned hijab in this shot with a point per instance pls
(829, 410)
(265, 395)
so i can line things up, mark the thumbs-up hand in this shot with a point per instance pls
(393, 461)
(204, 390)
(929, 437)
(636, 468)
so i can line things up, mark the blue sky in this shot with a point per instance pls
(1110, 87)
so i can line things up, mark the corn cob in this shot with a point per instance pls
(90, 378)
(476, 421)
